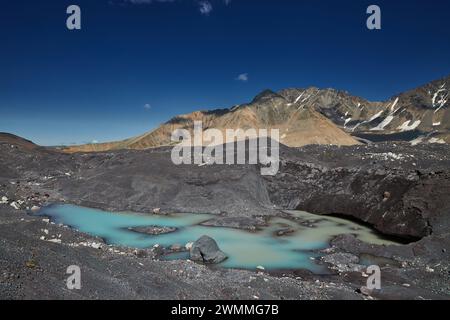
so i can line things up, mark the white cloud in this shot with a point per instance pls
(243, 77)
(147, 1)
(205, 7)
(147, 106)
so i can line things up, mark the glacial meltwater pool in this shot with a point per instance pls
(246, 250)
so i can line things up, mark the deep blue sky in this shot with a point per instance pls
(59, 86)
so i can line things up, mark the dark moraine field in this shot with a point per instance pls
(96, 210)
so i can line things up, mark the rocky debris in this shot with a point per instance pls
(188, 246)
(318, 179)
(207, 251)
(26, 196)
(156, 210)
(114, 275)
(409, 199)
(343, 262)
(315, 178)
(140, 253)
(158, 250)
(365, 291)
(16, 205)
(243, 223)
(284, 232)
(153, 230)
(94, 245)
(31, 264)
(176, 247)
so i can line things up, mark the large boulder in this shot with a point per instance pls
(207, 251)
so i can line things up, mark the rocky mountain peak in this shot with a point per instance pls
(266, 95)
(321, 116)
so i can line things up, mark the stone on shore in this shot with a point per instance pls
(207, 251)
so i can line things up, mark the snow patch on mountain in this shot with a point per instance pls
(408, 127)
(417, 141)
(436, 140)
(394, 104)
(298, 98)
(306, 98)
(440, 98)
(376, 116)
(347, 121)
(383, 124)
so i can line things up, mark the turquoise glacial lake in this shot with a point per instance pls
(246, 250)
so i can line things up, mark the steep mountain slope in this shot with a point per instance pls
(318, 116)
(298, 125)
(419, 115)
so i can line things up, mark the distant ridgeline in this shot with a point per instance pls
(318, 116)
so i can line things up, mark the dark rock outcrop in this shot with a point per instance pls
(399, 194)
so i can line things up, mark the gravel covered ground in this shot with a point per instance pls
(403, 193)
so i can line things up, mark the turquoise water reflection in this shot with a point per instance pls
(244, 249)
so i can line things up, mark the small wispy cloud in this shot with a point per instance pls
(243, 77)
(147, 1)
(147, 106)
(205, 7)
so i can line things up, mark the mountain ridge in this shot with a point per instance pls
(316, 116)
